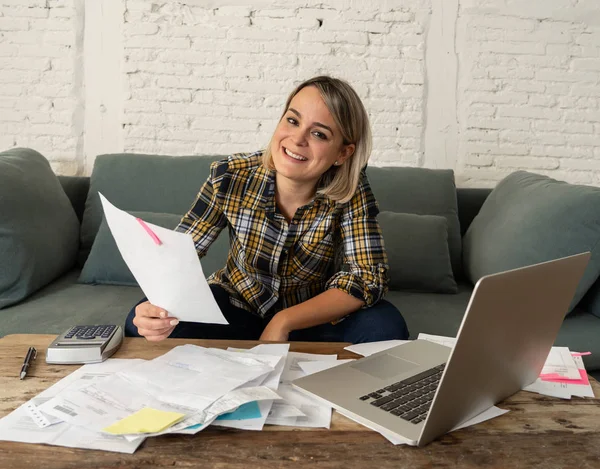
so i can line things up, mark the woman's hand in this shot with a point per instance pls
(153, 323)
(277, 329)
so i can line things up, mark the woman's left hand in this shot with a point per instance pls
(276, 330)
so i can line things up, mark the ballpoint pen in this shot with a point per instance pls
(31, 355)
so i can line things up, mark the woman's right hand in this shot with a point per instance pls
(152, 322)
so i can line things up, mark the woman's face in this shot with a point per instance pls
(307, 142)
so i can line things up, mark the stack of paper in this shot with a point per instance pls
(116, 404)
(563, 376)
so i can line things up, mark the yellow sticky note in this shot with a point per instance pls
(146, 420)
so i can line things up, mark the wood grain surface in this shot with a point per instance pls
(538, 432)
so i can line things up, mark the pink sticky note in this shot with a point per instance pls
(149, 231)
(548, 376)
(582, 380)
(580, 354)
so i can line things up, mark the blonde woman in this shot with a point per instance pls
(287, 209)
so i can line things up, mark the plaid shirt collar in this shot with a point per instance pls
(264, 186)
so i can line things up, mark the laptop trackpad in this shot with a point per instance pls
(384, 366)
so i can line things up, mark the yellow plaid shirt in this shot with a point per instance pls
(273, 264)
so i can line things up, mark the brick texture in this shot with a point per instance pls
(209, 77)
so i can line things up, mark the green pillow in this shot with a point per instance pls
(418, 253)
(421, 191)
(148, 183)
(591, 300)
(105, 265)
(529, 218)
(39, 231)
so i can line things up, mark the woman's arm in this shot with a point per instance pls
(328, 306)
(205, 219)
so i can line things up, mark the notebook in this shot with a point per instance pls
(418, 391)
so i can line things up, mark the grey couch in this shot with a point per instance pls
(136, 182)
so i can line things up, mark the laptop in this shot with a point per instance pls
(420, 390)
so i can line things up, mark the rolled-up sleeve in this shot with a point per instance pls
(205, 219)
(363, 248)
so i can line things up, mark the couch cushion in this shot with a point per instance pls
(38, 227)
(134, 182)
(530, 218)
(423, 192)
(105, 265)
(591, 300)
(64, 303)
(417, 249)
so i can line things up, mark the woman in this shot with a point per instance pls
(286, 209)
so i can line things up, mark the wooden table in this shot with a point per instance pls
(539, 431)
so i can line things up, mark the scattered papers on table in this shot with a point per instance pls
(564, 388)
(19, 426)
(168, 272)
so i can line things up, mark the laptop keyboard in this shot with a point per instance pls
(409, 399)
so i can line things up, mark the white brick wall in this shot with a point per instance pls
(218, 77)
(483, 87)
(529, 90)
(38, 89)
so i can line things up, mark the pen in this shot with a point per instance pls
(31, 354)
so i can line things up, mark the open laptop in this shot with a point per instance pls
(421, 390)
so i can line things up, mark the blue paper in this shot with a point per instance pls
(246, 411)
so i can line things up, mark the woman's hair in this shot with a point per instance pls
(339, 183)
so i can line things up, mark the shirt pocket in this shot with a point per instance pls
(312, 259)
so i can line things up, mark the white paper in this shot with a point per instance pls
(561, 362)
(225, 404)
(438, 339)
(187, 379)
(18, 425)
(488, 414)
(581, 390)
(315, 413)
(548, 388)
(271, 381)
(170, 274)
(562, 390)
(370, 348)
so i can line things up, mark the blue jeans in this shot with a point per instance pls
(381, 321)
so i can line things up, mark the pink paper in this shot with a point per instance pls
(583, 380)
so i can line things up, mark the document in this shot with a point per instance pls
(19, 426)
(560, 363)
(564, 388)
(187, 379)
(263, 407)
(449, 342)
(315, 414)
(166, 266)
(370, 348)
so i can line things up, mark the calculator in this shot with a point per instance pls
(85, 344)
